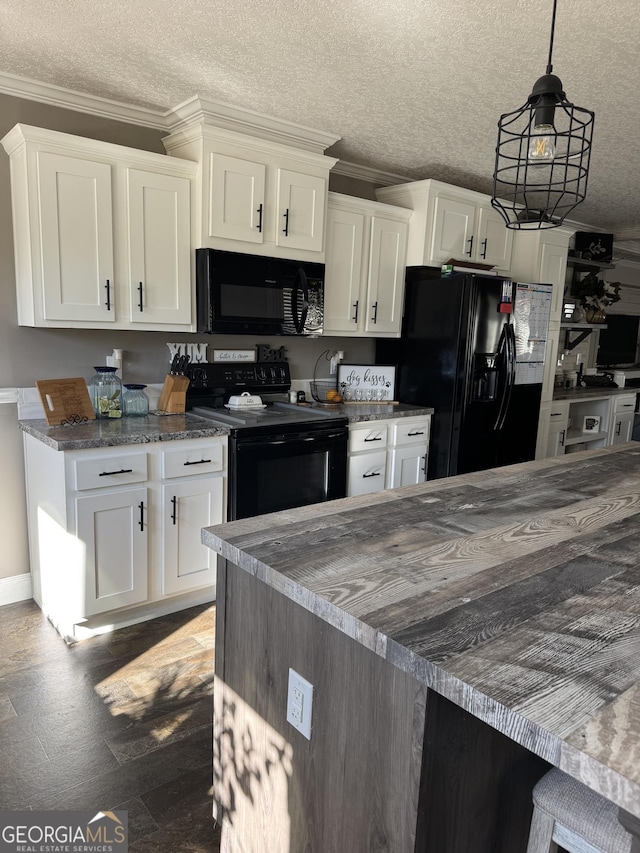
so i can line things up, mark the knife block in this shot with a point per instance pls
(173, 396)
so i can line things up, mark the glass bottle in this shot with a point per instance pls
(135, 401)
(105, 390)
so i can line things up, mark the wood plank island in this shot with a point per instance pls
(461, 636)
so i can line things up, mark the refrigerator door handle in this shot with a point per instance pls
(509, 340)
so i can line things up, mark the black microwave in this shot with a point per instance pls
(240, 294)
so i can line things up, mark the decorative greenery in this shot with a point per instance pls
(593, 292)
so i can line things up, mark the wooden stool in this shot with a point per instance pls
(569, 814)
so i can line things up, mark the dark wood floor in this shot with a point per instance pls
(119, 721)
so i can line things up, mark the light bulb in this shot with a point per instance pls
(542, 143)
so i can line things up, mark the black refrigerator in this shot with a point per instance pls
(473, 347)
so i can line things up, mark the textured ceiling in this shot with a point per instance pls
(413, 87)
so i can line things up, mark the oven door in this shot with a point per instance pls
(272, 473)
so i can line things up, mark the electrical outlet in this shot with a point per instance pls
(299, 703)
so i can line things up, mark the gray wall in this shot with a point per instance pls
(28, 354)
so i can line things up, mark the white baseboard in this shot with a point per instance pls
(16, 588)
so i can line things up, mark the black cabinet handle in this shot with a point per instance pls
(372, 474)
(415, 432)
(619, 427)
(424, 467)
(108, 302)
(470, 241)
(483, 253)
(201, 462)
(374, 438)
(562, 438)
(111, 473)
(259, 212)
(374, 319)
(174, 503)
(141, 521)
(140, 305)
(355, 311)
(285, 230)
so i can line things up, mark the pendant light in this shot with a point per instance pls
(542, 155)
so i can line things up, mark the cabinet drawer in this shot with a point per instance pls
(185, 461)
(624, 403)
(367, 473)
(96, 472)
(408, 432)
(371, 437)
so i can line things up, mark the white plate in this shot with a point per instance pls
(244, 408)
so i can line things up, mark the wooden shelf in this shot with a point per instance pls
(584, 265)
(591, 326)
(574, 437)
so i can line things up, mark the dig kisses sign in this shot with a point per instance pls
(367, 383)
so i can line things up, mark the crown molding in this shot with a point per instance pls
(68, 99)
(200, 111)
(366, 173)
(627, 234)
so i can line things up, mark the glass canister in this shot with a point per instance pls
(105, 389)
(135, 401)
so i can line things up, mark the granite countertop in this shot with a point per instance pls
(112, 433)
(361, 412)
(592, 393)
(121, 431)
(514, 592)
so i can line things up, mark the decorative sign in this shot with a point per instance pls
(591, 423)
(268, 353)
(197, 352)
(367, 382)
(234, 355)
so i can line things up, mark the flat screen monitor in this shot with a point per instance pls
(619, 341)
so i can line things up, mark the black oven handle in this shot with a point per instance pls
(314, 437)
(300, 284)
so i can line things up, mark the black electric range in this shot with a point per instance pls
(280, 456)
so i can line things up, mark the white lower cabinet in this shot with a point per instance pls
(113, 528)
(568, 426)
(387, 453)
(622, 420)
(558, 424)
(409, 451)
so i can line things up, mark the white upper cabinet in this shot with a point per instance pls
(236, 199)
(364, 267)
(159, 237)
(301, 202)
(99, 231)
(257, 194)
(451, 222)
(74, 198)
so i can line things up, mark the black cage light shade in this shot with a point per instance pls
(542, 156)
